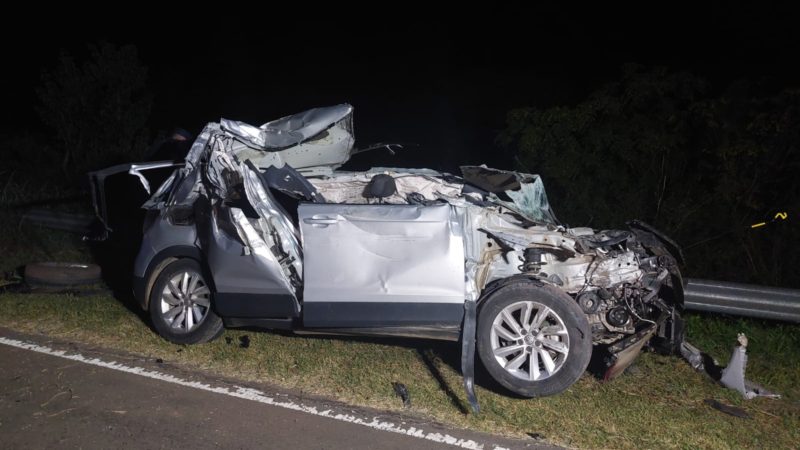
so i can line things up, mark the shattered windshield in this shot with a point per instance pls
(525, 191)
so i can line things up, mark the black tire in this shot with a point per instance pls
(210, 326)
(61, 274)
(568, 368)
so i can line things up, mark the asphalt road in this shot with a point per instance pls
(50, 402)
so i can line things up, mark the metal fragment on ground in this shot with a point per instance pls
(727, 409)
(733, 375)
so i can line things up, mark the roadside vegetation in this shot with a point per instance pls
(701, 163)
(659, 403)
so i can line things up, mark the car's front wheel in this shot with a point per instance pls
(181, 304)
(533, 339)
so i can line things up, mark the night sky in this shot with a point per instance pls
(444, 81)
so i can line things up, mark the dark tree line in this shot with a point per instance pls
(97, 108)
(702, 166)
(665, 147)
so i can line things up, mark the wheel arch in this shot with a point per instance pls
(143, 287)
(522, 278)
(496, 285)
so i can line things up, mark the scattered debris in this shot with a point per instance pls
(536, 436)
(244, 341)
(727, 409)
(731, 376)
(402, 391)
(57, 395)
(61, 412)
(697, 359)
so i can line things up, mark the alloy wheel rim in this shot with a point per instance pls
(185, 302)
(529, 340)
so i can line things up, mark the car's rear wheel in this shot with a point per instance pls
(181, 304)
(533, 339)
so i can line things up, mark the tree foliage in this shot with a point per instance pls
(659, 146)
(98, 108)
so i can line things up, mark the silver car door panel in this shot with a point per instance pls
(381, 265)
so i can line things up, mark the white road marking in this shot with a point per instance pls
(254, 395)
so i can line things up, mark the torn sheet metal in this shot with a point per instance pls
(290, 130)
(246, 265)
(275, 227)
(222, 172)
(733, 375)
(199, 146)
(624, 352)
(136, 170)
(256, 245)
(322, 137)
(319, 138)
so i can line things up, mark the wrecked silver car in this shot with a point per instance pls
(258, 228)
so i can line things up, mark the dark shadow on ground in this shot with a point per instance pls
(116, 250)
(116, 259)
(428, 356)
(431, 353)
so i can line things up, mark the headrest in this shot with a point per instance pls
(380, 186)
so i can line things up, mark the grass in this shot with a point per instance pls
(659, 404)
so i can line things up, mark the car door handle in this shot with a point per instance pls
(322, 220)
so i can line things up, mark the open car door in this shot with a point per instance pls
(134, 190)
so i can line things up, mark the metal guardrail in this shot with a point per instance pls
(742, 299)
(76, 223)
